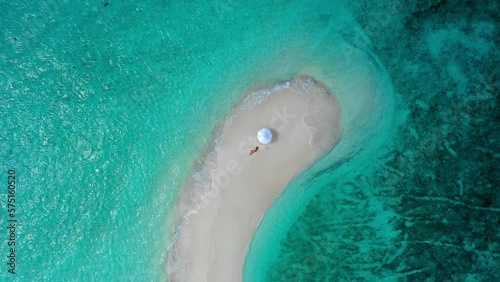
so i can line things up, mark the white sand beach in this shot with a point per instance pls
(305, 120)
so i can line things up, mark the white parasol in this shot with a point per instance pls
(264, 136)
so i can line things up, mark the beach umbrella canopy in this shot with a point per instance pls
(264, 136)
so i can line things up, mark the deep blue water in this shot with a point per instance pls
(107, 106)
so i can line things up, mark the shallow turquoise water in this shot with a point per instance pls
(107, 107)
(105, 110)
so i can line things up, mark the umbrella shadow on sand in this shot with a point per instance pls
(275, 136)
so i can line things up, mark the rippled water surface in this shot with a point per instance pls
(107, 106)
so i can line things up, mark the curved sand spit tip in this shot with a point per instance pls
(305, 120)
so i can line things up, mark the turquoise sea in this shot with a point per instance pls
(108, 106)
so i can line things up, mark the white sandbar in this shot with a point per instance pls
(306, 122)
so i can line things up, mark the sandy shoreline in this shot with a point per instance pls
(306, 123)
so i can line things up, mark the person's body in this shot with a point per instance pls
(253, 151)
